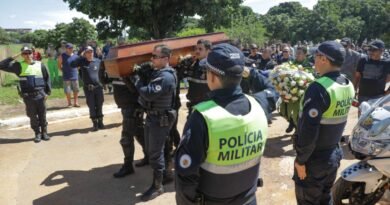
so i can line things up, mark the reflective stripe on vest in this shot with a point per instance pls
(196, 80)
(341, 97)
(236, 143)
(118, 82)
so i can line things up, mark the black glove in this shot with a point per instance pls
(134, 79)
(130, 85)
(144, 71)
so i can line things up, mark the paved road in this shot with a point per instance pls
(75, 167)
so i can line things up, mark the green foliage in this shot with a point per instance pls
(4, 37)
(79, 31)
(159, 19)
(191, 32)
(248, 29)
(41, 38)
(329, 19)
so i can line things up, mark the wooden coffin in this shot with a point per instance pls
(121, 59)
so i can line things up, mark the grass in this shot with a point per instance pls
(9, 95)
(8, 92)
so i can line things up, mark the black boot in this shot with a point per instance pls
(37, 137)
(142, 162)
(95, 126)
(155, 190)
(125, 170)
(168, 173)
(44, 134)
(100, 123)
(290, 127)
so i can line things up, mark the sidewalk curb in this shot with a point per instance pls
(67, 113)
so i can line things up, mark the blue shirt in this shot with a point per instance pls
(69, 72)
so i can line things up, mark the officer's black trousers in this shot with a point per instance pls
(321, 170)
(132, 126)
(36, 111)
(155, 139)
(95, 99)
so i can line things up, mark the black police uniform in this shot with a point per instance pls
(267, 64)
(93, 89)
(126, 98)
(158, 98)
(33, 90)
(197, 85)
(195, 144)
(195, 185)
(317, 145)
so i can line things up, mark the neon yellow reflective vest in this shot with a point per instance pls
(236, 142)
(341, 97)
(31, 76)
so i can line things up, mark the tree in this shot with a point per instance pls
(27, 37)
(159, 18)
(247, 29)
(79, 31)
(41, 38)
(4, 37)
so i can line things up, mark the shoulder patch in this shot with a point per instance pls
(185, 161)
(313, 113)
(158, 87)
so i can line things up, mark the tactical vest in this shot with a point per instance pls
(341, 97)
(236, 143)
(31, 77)
(167, 101)
(197, 81)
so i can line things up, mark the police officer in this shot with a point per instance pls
(158, 98)
(34, 82)
(218, 159)
(126, 96)
(196, 75)
(323, 116)
(93, 89)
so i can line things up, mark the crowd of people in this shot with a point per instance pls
(230, 102)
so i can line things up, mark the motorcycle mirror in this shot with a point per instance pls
(364, 107)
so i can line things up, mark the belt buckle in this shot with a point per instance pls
(91, 87)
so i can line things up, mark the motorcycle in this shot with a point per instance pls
(365, 182)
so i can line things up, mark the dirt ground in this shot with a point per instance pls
(75, 167)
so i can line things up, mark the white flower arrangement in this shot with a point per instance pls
(291, 80)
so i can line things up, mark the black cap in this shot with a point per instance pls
(334, 51)
(345, 41)
(377, 44)
(69, 45)
(225, 59)
(25, 48)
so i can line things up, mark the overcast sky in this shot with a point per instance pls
(45, 14)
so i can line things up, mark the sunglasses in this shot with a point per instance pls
(284, 51)
(27, 53)
(157, 56)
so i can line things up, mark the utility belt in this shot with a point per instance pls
(31, 94)
(92, 87)
(166, 117)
